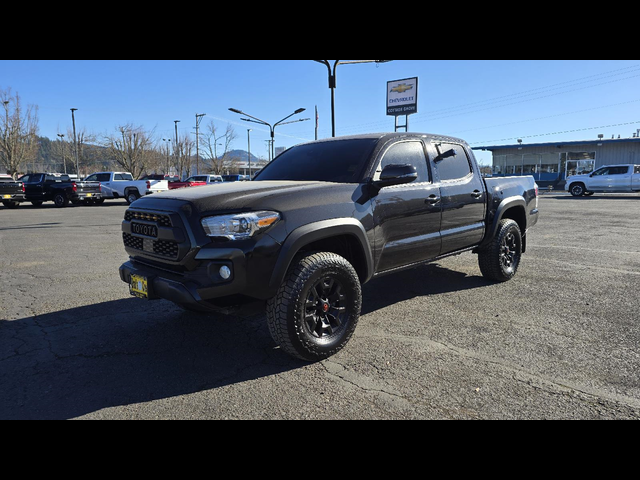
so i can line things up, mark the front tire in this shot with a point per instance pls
(577, 189)
(317, 307)
(500, 259)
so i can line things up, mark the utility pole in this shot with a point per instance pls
(198, 120)
(75, 141)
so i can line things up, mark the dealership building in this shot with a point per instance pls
(551, 163)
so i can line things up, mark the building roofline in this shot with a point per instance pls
(558, 144)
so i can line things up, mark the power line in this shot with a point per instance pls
(557, 133)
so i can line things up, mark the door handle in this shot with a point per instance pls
(476, 194)
(433, 199)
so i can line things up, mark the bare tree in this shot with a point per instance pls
(18, 133)
(130, 148)
(182, 160)
(216, 146)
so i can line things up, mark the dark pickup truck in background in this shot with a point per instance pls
(319, 221)
(59, 189)
(11, 192)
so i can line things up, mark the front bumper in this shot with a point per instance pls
(196, 287)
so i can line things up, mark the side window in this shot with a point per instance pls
(117, 176)
(411, 153)
(452, 162)
(619, 170)
(91, 178)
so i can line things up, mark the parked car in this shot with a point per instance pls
(206, 178)
(320, 220)
(122, 185)
(11, 192)
(189, 182)
(622, 178)
(59, 189)
(235, 178)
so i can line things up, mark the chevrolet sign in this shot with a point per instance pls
(402, 96)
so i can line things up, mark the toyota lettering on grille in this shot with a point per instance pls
(145, 230)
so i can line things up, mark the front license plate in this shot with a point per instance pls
(138, 286)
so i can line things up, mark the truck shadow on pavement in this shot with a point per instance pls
(79, 361)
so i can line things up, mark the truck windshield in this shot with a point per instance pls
(340, 161)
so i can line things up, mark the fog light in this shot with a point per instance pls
(225, 272)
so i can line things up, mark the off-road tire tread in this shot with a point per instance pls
(287, 300)
(488, 257)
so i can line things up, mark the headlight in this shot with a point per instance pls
(239, 226)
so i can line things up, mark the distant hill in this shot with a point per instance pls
(242, 155)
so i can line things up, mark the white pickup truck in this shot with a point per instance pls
(122, 185)
(610, 178)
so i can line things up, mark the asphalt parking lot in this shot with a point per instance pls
(560, 341)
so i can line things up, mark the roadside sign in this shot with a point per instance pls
(402, 96)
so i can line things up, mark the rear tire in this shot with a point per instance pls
(60, 200)
(500, 259)
(132, 196)
(317, 307)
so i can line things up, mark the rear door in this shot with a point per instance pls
(407, 217)
(621, 178)
(463, 196)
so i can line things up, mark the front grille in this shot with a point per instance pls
(166, 249)
(132, 242)
(163, 246)
(162, 220)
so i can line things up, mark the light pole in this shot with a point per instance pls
(75, 141)
(168, 152)
(64, 160)
(176, 149)
(332, 83)
(198, 120)
(249, 150)
(271, 128)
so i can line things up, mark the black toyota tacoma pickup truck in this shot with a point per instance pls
(318, 222)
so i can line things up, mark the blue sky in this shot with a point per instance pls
(485, 102)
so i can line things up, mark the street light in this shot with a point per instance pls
(332, 83)
(271, 128)
(75, 141)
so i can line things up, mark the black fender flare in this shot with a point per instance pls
(313, 232)
(505, 204)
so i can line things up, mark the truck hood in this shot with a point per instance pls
(259, 195)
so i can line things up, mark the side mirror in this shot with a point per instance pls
(394, 174)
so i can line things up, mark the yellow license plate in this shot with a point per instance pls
(6, 196)
(89, 194)
(138, 286)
